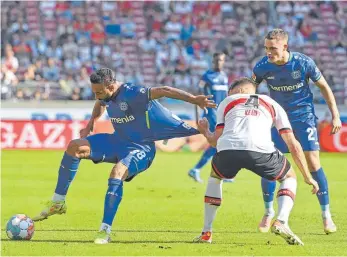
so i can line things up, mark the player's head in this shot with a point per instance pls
(276, 45)
(243, 86)
(103, 83)
(218, 61)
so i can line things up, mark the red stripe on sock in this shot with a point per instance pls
(287, 192)
(213, 200)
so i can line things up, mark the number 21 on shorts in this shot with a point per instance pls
(311, 134)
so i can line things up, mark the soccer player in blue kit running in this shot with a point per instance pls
(287, 75)
(214, 82)
(138, 120)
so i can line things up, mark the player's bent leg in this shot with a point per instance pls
(318, 174)
(77, 149)
(285, 197)
(213, 199)
(132, 160)
(268, 188)
(113, 198)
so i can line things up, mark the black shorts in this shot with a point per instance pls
(272, 166)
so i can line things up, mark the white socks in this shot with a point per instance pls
(106, 227)
(213, 199)
(285, 197)
(58, 197)
(326, 214)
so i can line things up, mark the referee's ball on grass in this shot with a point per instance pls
(20, 227)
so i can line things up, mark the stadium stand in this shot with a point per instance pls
(50, 47)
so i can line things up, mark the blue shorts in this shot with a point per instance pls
(112, 149)
(305, 133)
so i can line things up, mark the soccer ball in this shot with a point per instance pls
(20, 227)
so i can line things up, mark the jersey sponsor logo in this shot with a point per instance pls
(287, 88)
(296, 74)
(123, 106)
(125, 119)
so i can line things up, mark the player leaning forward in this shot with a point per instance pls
(138, 120)
(287, 75)
(243, 140)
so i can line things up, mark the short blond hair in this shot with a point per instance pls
(277, 34)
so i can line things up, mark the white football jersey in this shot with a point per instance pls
(247, 121)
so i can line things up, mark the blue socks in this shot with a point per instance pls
(112, 200)
(323, 193)
(67, 172)
(268, 187)
(207, 155)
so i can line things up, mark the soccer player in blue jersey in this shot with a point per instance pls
(138, 120)
(214, 82)
(287, 75)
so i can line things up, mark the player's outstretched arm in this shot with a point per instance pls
(299, 158)
(202, 101)
(330, 99)
(98, 110)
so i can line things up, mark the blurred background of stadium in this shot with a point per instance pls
(49, 48)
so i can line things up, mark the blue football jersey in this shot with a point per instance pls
(216, 85)
(137, 118)
(289, 84)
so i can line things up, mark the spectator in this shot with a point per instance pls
(148, 44)
(187, 29)
(70, 47)
(10, 61)
(173, 28)
(52, 71)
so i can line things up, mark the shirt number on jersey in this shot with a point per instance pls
(253, 100)
(311, 132)
(139, 154)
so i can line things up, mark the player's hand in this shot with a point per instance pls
(312, 182)
(203, 101)
(336, 125)
(85, 132)
(203, 125)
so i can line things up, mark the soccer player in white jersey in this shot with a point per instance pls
(243, 140)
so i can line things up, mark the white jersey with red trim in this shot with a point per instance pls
(247, 121)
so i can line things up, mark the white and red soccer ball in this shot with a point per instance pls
(20, 227)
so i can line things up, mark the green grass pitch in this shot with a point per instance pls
(162, 210)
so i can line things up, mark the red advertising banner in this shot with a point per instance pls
(333, 143)
(21, 134)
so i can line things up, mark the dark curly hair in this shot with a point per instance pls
(103, 76)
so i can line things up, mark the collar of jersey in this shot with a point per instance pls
(289, 59)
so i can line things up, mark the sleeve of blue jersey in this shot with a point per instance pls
(139, 94)
(313, 71)
(256, 75)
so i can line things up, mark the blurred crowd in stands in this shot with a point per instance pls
(49, 48)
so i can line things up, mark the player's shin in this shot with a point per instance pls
(323, 193)
(268, 187)
(213, 199)
(113, 198)
(67, 171)
(285, 197)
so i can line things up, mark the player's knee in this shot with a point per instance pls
(78, 148)
(290, 174)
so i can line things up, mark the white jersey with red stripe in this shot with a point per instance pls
(247, 121)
